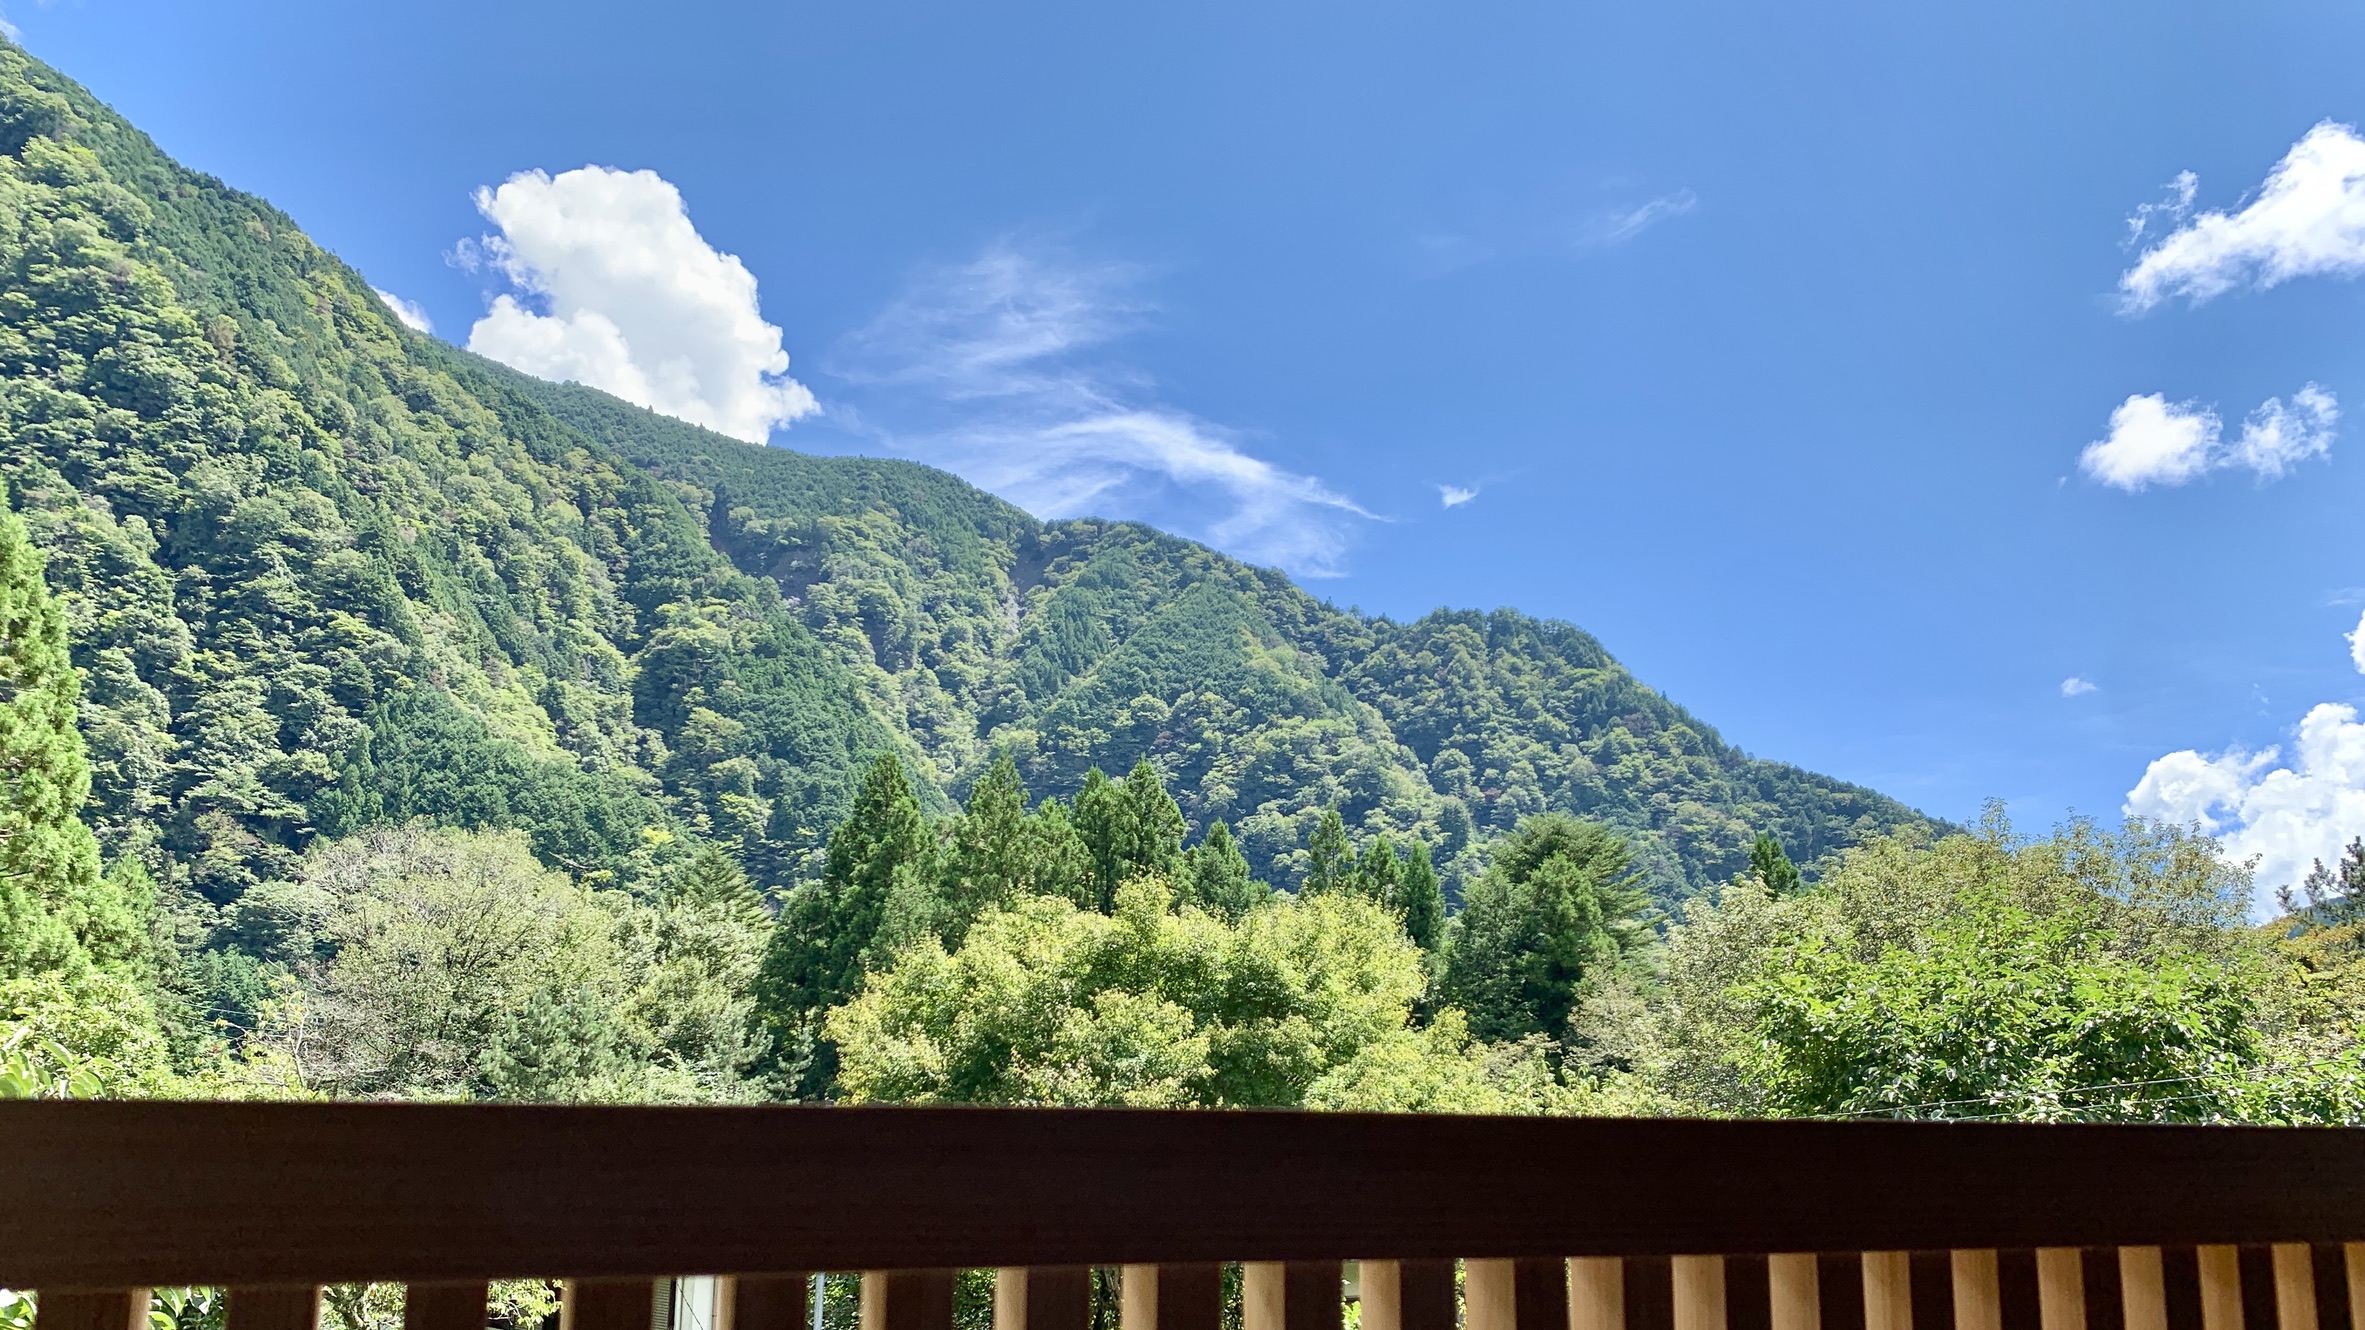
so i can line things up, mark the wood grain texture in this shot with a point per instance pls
(2221, 1287)
(2061, 1288)
(1888, 1290)
(92, 1309)
(1698, 1285)
(1792, 1291)
(2295, 1286)
(1597, 1293)
(153, 1193)
(2143, 1288)
(1978, 1293)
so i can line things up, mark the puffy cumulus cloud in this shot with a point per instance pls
(412, 314)
(2153, 441)
(2073, 686)
(2307, 220)
(2285, 815)
(1454, 496)
(2356, 641)
(1006, 347)
(616, 289)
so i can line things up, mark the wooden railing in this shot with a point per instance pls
(1558, 1224)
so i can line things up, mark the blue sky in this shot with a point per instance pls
(1768, 342)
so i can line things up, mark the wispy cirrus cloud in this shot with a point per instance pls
(998, 369)
(1623, 224)
(1454, 496)
(2307, 220)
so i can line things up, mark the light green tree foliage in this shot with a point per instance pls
(1557, 904)
(691, 957)
(80, 1036)
(1302, 1001)
(2089, 974)
(57, 912)
(437, 963)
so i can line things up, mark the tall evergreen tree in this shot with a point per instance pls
(990, 855)
(1379, 873)
(56, 912)
(1558, 901)
(1214, 876)
(1099, 818)
(1420, 899)
(713, 878)
(1768, 864)
(1329, 858)
(874, 892)
(1063, 864)
(1153, 826)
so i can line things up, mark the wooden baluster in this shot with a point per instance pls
(1698, 1292)
(91, 1309)
(444, 1306)
(1650, 1293)
(1596, 1293)
(286, 1307)
(1051, 1297)
(907, 1300)
(1793, 1292)
(1748, 1293)
(1978, 1292)
(1314, 1295)
(2295, 1287)
(2221, 1287)
(1264, 1296)
(2354, 1262)
(764, 1302)
(1888, 1290)
(2061, 1289)
(1408, 1295)
(1490, 1295)
(2143, 1288)
(1379, 1295)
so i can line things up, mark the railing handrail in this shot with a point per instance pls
(121, 1194)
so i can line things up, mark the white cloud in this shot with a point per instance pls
(2073, 686)
(2286, 816)
(1454, 496)
(1004, 346)
(2307, 220)
(2356, 641)
(1626, 223)
(412, 314)
(631, 300)
(2153, 441)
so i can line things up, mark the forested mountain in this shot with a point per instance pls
(322, 573)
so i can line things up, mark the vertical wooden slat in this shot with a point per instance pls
(2353, 1255)
(1978, 1293)
(2143, 1288)
(764, 1302)
(1698, 1292)
(1379, 1295)
(1597, 1293)
(1748, 1299)
(1137, 1298)
(1264, 1296)
(2332, 1286)
(2061, 1288)
(443, 1307)
(1931, 1276)
(1490, 1295)
(91, 1309)
(1650, 1293)
(1840, 1276)
(2221, 1287)
(292, 1307)
(2105, 1308)
(1888, 1290)
(1426, 1296)
(2180, 1284)
(1049, 1297)
(1010, 1290)
(1792, 1293)
(2295, 1286)
(1540, 1293)
(2257, 1261)
(2016, 1289)
(598, 1304)
(1313, 1295)
(907, 1300)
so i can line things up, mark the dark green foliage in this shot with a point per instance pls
(1558, 902)
(1769, 865)
(1420, 899)
(877, 890)
(1330, 859)
(57, 912)
(1379, 874)
(1214, 876)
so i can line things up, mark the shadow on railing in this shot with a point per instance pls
(1557, 1224)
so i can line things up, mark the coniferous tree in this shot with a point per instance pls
(873, 893)
(56, 911)
(1153, 824)
(1329, 858)
(1215, 877)
(1558, 901)
(1099, 817)
(990, 855)
(1062, 862)
(1768, 864)
(713, 879)
(1420, 899)
(1379, 873)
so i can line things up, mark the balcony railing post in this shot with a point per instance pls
(1796, 1303)
(907, 1300)
(1052, 1297)
(2295, 1287)
(2143, 1288)
(1888, 1290)
(596, 1304)
(1596, 1293)
(1313, 1295)
(91, 1309)
(1699, 1292)
(456, 1306)
(763, 1302)
(1264, 1296)
(1408, 1295)
(1978, 1292)
(276, 1307)
(2061, 1290)
(2353, 1265)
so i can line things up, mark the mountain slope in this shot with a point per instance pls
(323, 572)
